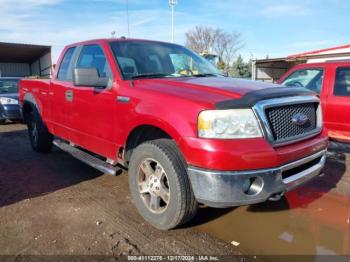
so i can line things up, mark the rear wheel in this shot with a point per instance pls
(159, 184)
(40, 138)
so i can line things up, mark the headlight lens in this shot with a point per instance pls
(8, 101)
(228, 124)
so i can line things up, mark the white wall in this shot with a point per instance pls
(43, 67)
(321, 60)
(14, 69)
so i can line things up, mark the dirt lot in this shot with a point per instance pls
(54, 204)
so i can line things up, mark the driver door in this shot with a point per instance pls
(93, 118)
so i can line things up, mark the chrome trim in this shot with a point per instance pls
(225, 188)
(260, 107)
(123, 99)
(87, 158)
(302, 161)
(302, 177)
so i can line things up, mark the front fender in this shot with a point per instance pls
(174, 126)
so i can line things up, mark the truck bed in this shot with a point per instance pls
(37, 87)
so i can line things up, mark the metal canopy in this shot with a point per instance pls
(21, 53)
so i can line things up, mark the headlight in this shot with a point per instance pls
(8, 101)
(228, 124)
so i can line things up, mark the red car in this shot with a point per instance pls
(331, 81)
(186, 134)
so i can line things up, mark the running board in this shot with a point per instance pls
(87, 158)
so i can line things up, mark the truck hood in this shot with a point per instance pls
(206, 89)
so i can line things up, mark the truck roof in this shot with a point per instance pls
(122, 39)
(321, 64)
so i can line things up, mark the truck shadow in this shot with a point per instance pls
(25, 174)
(207, 214)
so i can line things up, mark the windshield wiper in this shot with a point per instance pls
(206, 75)
(150, 75)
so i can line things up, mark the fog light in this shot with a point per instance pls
(253, 185)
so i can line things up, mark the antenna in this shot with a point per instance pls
(127, 17)
(172, 4)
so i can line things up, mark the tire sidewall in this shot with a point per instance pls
(33, 117)
(44, 138)
(167, 219)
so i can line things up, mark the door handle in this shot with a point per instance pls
(69, 95)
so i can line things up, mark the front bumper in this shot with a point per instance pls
(226, 188)
(10, 112)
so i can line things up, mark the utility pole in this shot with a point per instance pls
(172, 4)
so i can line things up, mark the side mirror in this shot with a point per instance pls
(88, 77)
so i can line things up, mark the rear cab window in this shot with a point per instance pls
(310, 78)
(342, 82)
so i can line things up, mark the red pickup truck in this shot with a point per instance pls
(186, 134)
(331, 80)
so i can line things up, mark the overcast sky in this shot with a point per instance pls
(268, 27)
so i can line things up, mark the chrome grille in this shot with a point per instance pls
(281, 120)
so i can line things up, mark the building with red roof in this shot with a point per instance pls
(271, 69)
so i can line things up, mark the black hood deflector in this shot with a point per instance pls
(251, 98)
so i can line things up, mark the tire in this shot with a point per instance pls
(339, 147)
(40, 138)
(159, 164)
(2, 121)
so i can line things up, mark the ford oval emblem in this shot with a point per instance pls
(300, 119)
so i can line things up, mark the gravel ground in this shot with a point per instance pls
(52, 204)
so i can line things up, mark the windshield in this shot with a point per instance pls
(156, 60)
(8, 86)
(309, 78)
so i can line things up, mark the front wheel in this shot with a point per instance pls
(40, 138)
(159, 184)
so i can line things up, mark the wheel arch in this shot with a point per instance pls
(141, 134)
(29, 104)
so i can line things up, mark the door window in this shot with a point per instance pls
(64, 72)
(92, 56)
(311, 79)
(342, 82)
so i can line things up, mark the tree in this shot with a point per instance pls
(241, 69)
(201, 39)
(225, 45)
